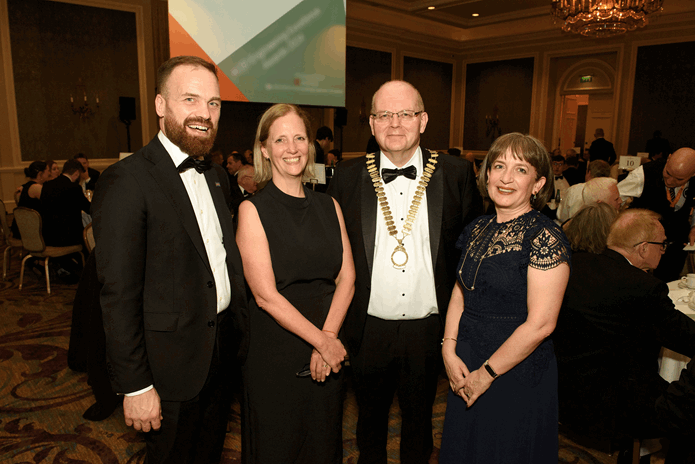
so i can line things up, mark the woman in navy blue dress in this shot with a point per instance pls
(514, 267)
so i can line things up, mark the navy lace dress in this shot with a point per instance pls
(516, 419)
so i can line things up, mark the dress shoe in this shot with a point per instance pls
(100, 411)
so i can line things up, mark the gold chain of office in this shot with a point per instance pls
(399, 257)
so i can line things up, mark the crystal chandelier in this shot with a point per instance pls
(604, 18)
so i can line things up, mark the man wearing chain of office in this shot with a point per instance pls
(404, 209)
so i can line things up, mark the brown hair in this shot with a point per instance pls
(526, 148)
(588, 229)
(599, 168)
(262, 165)
(632, 227)
(169, 65)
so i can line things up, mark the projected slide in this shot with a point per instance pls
(288, 51)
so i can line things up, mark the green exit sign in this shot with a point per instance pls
(585, 79)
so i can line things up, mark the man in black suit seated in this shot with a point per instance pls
(614, 320)
(92, 174)
(601, 148)
(324, 138)
(244, 187)
(63, 202)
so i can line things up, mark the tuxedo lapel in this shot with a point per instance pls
(169, 180)
(225, 217)
(369, 212)
(435, 203)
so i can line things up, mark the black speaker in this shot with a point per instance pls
(127, 108)
(340, 117)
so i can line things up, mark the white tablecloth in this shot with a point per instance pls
(672, 363)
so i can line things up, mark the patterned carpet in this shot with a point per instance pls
(42, 400)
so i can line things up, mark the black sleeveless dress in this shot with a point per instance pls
(289, 419)
(27, 202)
(516, 419)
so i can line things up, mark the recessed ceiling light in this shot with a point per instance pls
(430, 8)
(475, 15)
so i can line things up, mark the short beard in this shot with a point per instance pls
(189, 144)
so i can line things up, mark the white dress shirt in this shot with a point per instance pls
(571, 203)
(403, 294)
(633, 186)
(209, 225)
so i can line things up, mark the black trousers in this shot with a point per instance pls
(193, 431)
(402, 357)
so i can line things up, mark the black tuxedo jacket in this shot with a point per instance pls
(93, 178)
(159, 294)
(237, 197)
(602, 149)
(452, 202)
(62, 204)
(614, 320)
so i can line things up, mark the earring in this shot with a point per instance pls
(533, 197)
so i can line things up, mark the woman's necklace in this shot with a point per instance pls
(485, 255)
(399, 257)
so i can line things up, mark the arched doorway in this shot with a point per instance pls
(585, 102)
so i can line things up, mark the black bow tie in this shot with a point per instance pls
(199, 165)
(389, 174)
(559, 177)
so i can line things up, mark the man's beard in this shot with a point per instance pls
(190, 144)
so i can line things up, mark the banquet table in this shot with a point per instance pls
(672, 363)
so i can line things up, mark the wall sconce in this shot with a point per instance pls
(83, 110)
(364, 116)
(492, 124)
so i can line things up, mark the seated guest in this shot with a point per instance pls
(244, 187)
(571, 172)
(216, 157)
(53, 168)
(602, 190)
(322, 142)
(90, 177)
(614, 320)
(333, 157)
(30, 193)
(588, 229)
(573, 200)
(63, 202)
(235, 161)
(558, 171)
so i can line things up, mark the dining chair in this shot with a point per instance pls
(29, 223)
(88, 235)
(10, 241)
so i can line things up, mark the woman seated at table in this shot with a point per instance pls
(502, 406)
(30, 193)
(588, 229)
(298, 264)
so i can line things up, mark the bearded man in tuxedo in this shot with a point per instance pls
(173, 297)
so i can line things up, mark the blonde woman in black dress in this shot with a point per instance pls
(298, 264)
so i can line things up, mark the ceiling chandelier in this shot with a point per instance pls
(604, 18)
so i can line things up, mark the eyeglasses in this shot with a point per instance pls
(384, 117)
(665, 244)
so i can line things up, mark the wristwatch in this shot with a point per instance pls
(489, 369)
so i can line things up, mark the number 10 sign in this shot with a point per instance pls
(629, 162)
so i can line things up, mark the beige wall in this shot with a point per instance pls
(553, 50)
(148, 46)
(373, 28)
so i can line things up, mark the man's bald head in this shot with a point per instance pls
(679, 168)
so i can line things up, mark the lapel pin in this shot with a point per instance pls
(217, 184)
